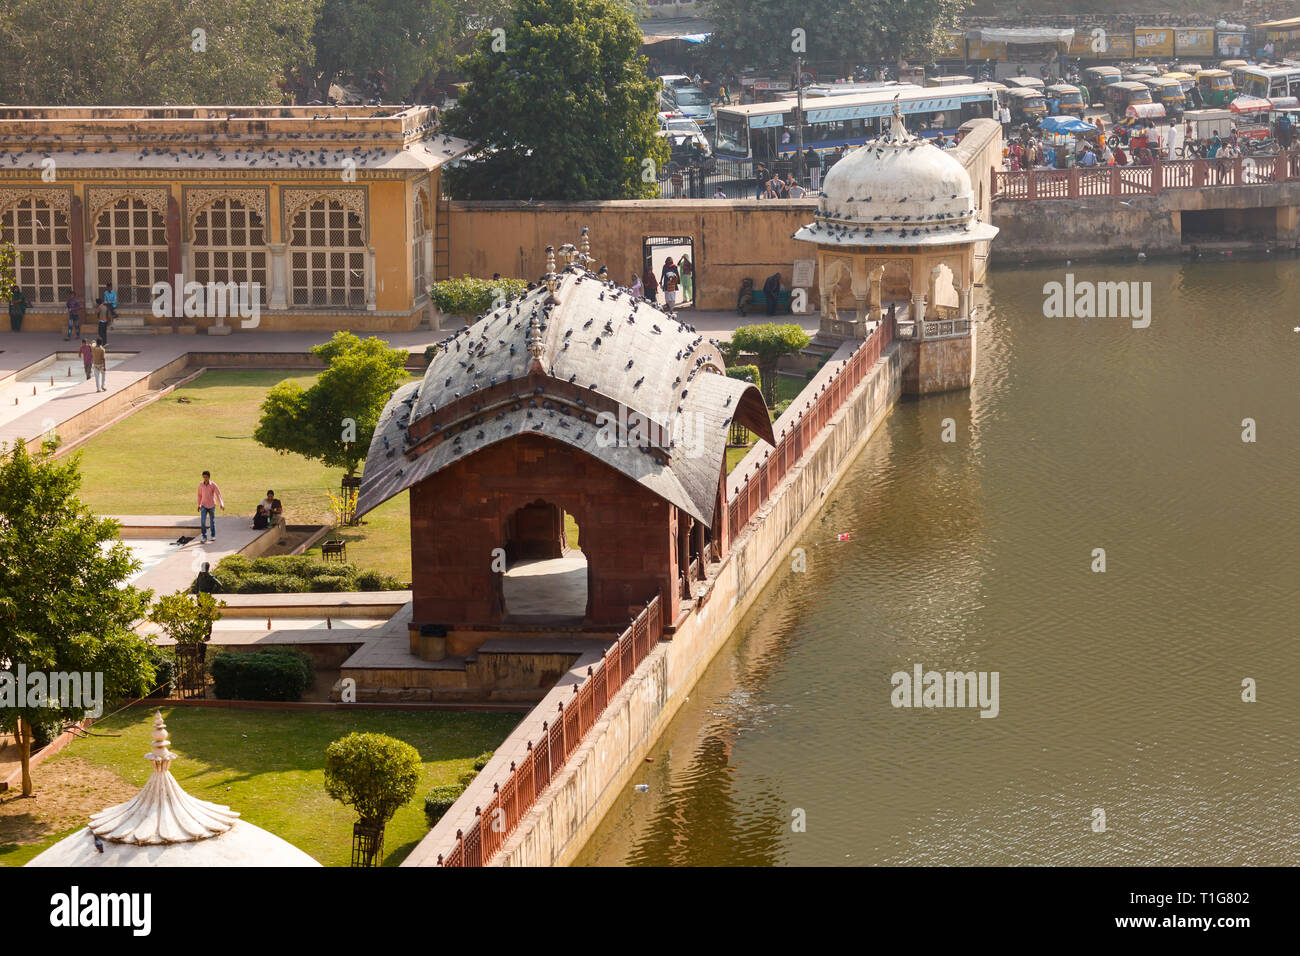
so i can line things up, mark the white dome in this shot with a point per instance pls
(242, 845)
(162, 825)
(898, 190)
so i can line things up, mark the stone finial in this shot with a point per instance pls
(550, 259)
(162, 812)
(584, 247)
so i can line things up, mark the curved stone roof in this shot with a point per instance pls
(571, 365)
(896, 190)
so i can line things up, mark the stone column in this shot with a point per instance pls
(963, 303)
(877, 279)
(279, 276)
(77, 235)
(370, 279)
(918, 313)
(428, 264)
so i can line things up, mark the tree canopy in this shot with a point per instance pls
(334, 420)
(65, 607)
(108, 52)
(769, 342)
(373, 773)
(560, 106)
(759, 32)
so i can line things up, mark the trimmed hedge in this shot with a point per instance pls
(277, 673)
(296, 574)
(746, 373)
(439, 801)
(470, 296)
(163, 660)
(482, 759)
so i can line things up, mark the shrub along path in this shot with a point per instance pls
(267, 764)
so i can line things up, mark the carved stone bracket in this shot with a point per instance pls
(98, 198)
(58, 199)
(295, 200)
(197, 200)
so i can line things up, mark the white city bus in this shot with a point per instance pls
(768, 131)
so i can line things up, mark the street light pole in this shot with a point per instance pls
(798, 79)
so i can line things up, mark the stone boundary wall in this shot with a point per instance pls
(564, 817)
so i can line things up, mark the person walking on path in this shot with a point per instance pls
(74, 316)
(688, 278)
(772, 292)
(637, 289)
(669, 279)
(99, 359)
(102, 320)
(209, 498)
(651, 285)
(87, 357)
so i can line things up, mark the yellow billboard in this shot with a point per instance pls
(952, 46)
(1153, 41)
(1194, 42)
(1093, 42)
(979, 50)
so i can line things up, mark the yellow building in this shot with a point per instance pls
(327, 216)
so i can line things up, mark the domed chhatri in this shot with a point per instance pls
(165, 826)
(896, 190)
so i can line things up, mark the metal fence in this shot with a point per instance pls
(560, 737)
(1145, 180)
(757, 486)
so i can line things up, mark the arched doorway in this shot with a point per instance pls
(546, 577)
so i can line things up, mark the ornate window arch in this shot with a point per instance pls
(420, 261)
(42, 245)
(130, 249)
(327, 251)
(230, 246)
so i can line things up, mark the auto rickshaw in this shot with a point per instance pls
(1024, 83)
(1144, 69)
(1231, 65)
(1065, 99)
(1120, 96)
(1169, 93)
(1142, 123)
(1252, 119)
(1216, 87)
(1026, 105)
(1096, 79)
(1191, 69)
(1185, 80)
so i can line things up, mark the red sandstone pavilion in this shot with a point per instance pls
(505, 435)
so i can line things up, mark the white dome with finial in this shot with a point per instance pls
(896, 190)
(164, 826)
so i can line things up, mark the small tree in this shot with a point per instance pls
(65, 606)
(7, 281)
(770, 343)
(187, 619)
(334, 420)
(375, 774)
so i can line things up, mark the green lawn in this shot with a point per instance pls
(151, 462)
(269, 765)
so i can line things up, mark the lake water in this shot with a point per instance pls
(1119, 692)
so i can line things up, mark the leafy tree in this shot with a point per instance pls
(851, 31)
(403, 43)
(770, 343)
(147, 52)
(187, 618)
(8, 281)
(373, 773)
(335, 419)
(565, 111)
(64, 603)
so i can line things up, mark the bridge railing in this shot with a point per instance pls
(560, 737)
(1120, 181)
(795, 439)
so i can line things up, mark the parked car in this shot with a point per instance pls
(680, 95)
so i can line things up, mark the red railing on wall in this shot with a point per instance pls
(560, 737)
(798, 435)
(1118, 181)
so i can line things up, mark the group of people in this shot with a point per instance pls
(675, 278)
(105, 314)
(772, 186)
(270, 510)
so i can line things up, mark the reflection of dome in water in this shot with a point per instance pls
(164, 826)
(896, 190)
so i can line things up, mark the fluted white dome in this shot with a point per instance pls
(896, 190)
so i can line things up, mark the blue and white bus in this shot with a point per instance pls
(768, 131)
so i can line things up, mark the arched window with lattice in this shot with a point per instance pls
(42, 247)
(230, 246)
(130, 251)
(419, 259)
(327, 256)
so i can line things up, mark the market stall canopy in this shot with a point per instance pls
(1066, 124)
(1021, 35)
(1147, 111)
(1249, 104)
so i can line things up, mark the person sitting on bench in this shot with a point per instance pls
(269, 512)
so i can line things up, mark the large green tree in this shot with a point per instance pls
(65, 607)
(335, 419)
(403, 43)
(759, 32)
(560, 107)
(148, 52)
(769, 343)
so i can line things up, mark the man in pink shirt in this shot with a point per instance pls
(209, 498)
